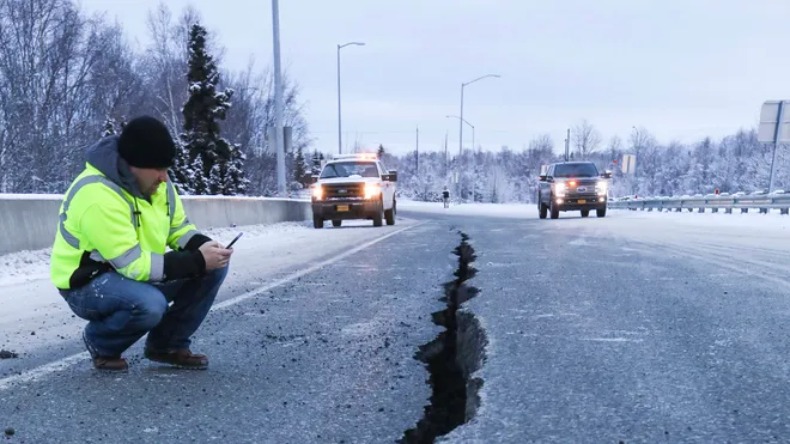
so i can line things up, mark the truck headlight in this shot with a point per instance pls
(318, 192)
(372, 190)
(602, 187)
(559, 189)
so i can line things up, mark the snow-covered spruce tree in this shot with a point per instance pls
(219, 167)
(300, 172)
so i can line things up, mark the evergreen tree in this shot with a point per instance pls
(318, 160)
(197, 179)
(238, 184)
(300, 168)
(381, 151)
(219, 166)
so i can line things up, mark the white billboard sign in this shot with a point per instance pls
(770, 115)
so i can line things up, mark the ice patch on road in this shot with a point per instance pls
(359, 329)
(612, 339)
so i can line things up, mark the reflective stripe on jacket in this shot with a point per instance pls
(103, 226)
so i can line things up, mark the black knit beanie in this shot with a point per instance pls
(145, 142)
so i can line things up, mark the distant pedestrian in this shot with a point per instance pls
(446, 197)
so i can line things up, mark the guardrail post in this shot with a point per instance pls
(691, 210)
(763, 210)
(702, 210)
(678, 210)
(728, 210)
(744, 210)
(784, 211)
(715, 210)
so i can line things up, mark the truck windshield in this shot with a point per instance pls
(348, 169)
(575, 170)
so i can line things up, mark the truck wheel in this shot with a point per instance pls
(377, 218)
(336, 222)
(585, 213)
(555, 211)
(389, 215)
(601, 212)
(318, 222)
(543, 210)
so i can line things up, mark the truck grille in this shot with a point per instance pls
(344, 191)
(583, 188)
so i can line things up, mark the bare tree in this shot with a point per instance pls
(641, 139)
(252, 116)
(48, 55)
(542, 143)
(586, 139)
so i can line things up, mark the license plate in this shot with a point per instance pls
(582, 200)
(342, 208)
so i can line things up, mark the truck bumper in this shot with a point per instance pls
(572, 203)
(343, 210)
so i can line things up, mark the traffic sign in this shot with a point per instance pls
(770, 131)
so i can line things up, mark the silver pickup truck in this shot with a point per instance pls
(569, 186)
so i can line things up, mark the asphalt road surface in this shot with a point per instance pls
(598, 330)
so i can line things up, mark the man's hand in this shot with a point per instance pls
(215, 255)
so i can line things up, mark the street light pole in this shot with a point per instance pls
(278, 102)
(637, 144)
(466, 122)
(473, 141)
(339, 120)
(461, 122)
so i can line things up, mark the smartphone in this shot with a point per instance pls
(234, 240)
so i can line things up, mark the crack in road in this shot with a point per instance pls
(455, 354)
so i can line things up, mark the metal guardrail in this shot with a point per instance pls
(763, 203)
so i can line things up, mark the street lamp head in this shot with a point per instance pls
(350, 43)
(453, 116)
(481, 78)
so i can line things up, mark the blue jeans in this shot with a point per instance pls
(120, 311)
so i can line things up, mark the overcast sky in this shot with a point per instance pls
(683, 69)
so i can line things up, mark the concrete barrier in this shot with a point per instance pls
(28, 222)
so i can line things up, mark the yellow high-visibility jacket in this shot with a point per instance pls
(106, 223)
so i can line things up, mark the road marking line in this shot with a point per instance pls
(62, 364)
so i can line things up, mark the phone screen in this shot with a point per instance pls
(234, 240)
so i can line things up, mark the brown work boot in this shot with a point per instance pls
(108, 363)
(182, 358)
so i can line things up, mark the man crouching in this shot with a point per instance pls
(110, 259)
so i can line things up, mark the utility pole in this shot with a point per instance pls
(567, 144)
(417, 149)
(278, 102)
(445, 155)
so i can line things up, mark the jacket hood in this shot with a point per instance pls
(103, 155)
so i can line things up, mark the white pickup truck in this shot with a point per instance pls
(354, 187)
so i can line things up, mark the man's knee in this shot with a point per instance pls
(150, 312)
